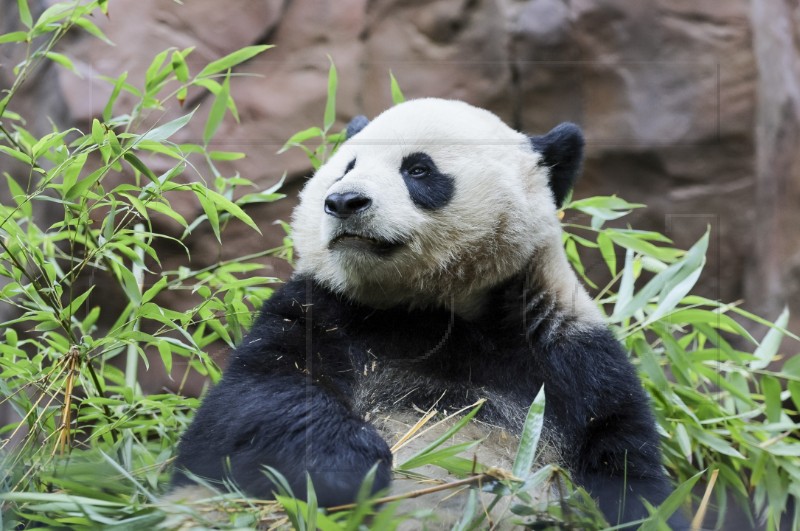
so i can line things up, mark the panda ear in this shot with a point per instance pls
(562, 152)
(355, 126)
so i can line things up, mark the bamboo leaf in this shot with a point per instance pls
(165, 131)
(179, 67)
(607, 251)
(531, 433)
(109, 107)
(91, 28)
(217, 112)
(449, 433)
(673, 502)
(300, 137)
(64, 61)
(625, 293)
(771, 388)
(139, 166)
(230, 207)
(14, 153)
(14, 36)
(330, 104)
(83, 185)
(766, 351)
(397, 94)
(233, 59)
(19, 196)
(432, 457)
(25, 13)
(682, 281)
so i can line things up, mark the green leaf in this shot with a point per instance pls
(468, 513)
(300, 137)
(649, 363)
(109, 108)
(73, 169)
(154, 290)
(665, 254)
(603, 202)
(330, 104)
(151, 74)
(165, 352)
(25, 13)
(229, 206)
(217, 112)
(794, 390)
(432, 457)
(625, 292)
(181, 95)
(714, 442)
(168, 211)
(233, 59)
(83, 185)
(139, 166)
(179, 67)
(682, 280)
(64, 61)
(210, 210)
(14, 36)
(76, 303)
(226, 155)
(98, 132)
(19, 196)
(529, 440)
(607, 251)
(449, 433)
(30, 497)
(52, 15)
(397, 94)
(163, 132)
(19, 155)
(671, 285)
(771, 388)
(47, 142)
(311, 504)
(768, 348)
(91, 28)
(715, 319)
(673, 502)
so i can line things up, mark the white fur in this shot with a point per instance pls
(501, 214)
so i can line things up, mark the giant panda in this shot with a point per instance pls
(430, 271)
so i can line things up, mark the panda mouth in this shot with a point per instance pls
(360, 242)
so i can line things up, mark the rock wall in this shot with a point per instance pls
(688, 106)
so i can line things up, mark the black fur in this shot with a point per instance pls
(295, 392)
(355, 126)
(428, 187)
(562, 153)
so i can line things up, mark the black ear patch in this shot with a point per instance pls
(562, 153)
(355, 126)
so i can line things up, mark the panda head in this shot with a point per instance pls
(433, 203)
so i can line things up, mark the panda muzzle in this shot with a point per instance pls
(360, 242)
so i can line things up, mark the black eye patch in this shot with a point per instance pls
(428, 187)
(350, 166)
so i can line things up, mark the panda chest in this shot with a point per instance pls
(422, 369)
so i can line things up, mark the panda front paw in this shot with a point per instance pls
(340, 469)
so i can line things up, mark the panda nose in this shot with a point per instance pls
(345, 205)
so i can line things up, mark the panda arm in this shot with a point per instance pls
(595, 401)
(274, 407)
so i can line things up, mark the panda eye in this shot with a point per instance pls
(418, 171)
